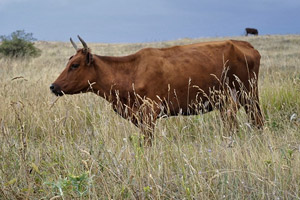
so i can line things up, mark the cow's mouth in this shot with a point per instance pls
(58, 93)
(56, 90)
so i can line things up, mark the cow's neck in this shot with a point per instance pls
(115, 74)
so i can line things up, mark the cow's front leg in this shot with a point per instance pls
(144, 117)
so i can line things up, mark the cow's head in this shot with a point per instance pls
(78, 73)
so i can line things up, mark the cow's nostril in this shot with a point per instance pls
(51, 87)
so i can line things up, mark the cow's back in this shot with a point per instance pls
(177, 74)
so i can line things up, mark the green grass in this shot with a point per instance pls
(77, 147)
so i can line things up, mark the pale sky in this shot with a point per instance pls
(115, 21)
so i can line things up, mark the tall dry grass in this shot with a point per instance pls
(77, 147)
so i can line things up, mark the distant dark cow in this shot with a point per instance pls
(252, 31)
(160, 82)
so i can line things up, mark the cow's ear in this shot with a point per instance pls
(89, 58)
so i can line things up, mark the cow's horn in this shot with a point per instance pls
(83, 42)
(73, 43)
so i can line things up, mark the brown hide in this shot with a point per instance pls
(157, 82)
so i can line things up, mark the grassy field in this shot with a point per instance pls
(76, 147)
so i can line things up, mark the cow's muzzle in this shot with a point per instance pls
(56, 89)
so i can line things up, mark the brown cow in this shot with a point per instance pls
(252, 31)
(158, 82)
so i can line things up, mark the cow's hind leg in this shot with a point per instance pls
(250, 102)
(253, 110)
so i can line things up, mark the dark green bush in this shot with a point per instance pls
(19, 45)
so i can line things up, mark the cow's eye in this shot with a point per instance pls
(74, 66)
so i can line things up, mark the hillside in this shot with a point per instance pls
(77, 147)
